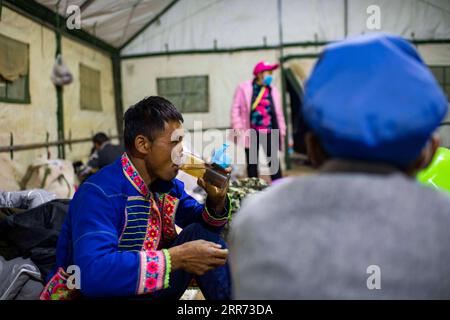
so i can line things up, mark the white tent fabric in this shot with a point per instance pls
(206, 24)
(195, 24)
(200, 24)
(113, 21)
(426, 19)
(224, 24)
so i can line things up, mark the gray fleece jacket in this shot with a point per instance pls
(354, 231)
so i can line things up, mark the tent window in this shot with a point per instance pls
(442, 75)
(90, 97)
(14, 83)
(189, 94)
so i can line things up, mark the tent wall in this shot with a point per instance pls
(413, 19)
(434, 55)
(225, 72)
(438, 55)
(186, 40)
(30, 122)
(238, 23)
(83, 123)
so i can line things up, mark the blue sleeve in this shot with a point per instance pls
(106, 271)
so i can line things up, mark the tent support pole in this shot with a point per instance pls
(59, 94)
(287, 157)
(345, 18)
(117, 79)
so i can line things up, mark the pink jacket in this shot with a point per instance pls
(240, 113)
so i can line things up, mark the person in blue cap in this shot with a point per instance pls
(362, 228)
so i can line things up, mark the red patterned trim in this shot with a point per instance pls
(213, 221)
(217, 221)
(169, 209)
(56, 288)
(133, 175)
(154, 271)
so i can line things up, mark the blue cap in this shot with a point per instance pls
(372, 98)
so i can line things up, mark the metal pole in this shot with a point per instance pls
(280, 27)
(59, 91)
(345, 18)
(11, 144)
(31, 146)
(287, 158)
(117, 77)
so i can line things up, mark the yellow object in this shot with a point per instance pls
(259, 97)
(437, 174)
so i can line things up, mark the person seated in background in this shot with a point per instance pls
(363, 228)
(120, 229)
(103, 152)
(106, 152)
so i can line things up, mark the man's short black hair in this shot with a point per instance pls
(148, 117)
(100, 138)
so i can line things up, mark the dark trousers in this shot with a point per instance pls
(252, 166)
(214, 284)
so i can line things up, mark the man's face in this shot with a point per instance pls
(164, 149)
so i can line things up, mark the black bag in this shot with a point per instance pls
(34, 234)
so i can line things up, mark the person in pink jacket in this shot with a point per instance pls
(257, 117)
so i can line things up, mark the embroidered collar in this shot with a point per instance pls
(133, 175)
(136, 180)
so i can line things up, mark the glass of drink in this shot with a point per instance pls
(197, 167)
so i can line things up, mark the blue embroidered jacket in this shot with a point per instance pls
(116, 230)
